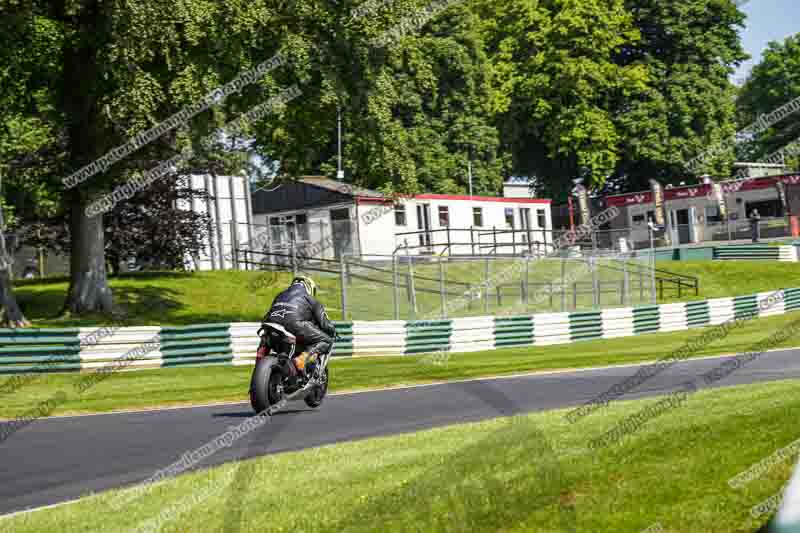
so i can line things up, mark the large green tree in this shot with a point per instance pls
(690, 49)
(560, 84)
(415, 109)
(95, 73)
(773, 83)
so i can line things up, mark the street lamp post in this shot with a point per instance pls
(339, 171)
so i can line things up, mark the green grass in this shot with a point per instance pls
(175, 298)
(719, 279)
(526, 473)
(176, 386)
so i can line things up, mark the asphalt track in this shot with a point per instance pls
(60, 459)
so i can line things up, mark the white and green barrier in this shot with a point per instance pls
(754, 252)
(75, 349)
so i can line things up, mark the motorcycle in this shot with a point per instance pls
(275, 378)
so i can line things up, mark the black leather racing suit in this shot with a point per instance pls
(304, 317)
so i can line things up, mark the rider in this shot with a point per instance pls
(297, 310)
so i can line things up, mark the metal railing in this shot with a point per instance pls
(439, 287)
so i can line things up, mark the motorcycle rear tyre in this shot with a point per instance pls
(317, 394)
(264, 390)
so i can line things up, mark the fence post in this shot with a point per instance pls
(395, 289)
(449, 244)
(563, 284)
(343, 282)
(575, 296)
(322, 247)
(412, 289)
(472, 239)
(234, 251)
(728, 224)
(626, 285)
(513, 241)
(526, 283)
(442, 291)
(486, 286)
(595, 284)
(294, 252)
(641, 285)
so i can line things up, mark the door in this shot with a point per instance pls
(693, 234)
(672, 227)
(682, 220)
(342, 232)
(525, 225)
(424, 224)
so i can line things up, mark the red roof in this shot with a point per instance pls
(481, 198)
(694, 191)
(431, 196)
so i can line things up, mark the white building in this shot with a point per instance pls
(230, 207)
(517, 188)
(326, 218)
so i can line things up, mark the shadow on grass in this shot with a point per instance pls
(152, 305)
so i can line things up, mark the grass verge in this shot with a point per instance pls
(179, 386)
(488, 476)
(181, 298)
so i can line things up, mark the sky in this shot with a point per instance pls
(767, 20)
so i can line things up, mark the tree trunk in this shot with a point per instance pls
(12, 316)
(88, 284)
(88, 288)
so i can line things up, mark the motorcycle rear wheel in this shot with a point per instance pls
(266, 384)
(317, 394)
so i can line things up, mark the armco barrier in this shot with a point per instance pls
(47, 350)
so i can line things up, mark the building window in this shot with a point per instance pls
(444, 216)
(541, 218)
(509, 217)
(400, 215)
(301, 221)
(712, 214)
(477, 216)
(276, 233)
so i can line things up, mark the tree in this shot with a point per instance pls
(560, 84)
(690, 49)
(772, 84)
(414, 111)
(114, 69)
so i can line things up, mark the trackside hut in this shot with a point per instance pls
(359, 221)
(476, 225)
(693, 213)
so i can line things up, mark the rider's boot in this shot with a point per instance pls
(311, 364)
(300, 363)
